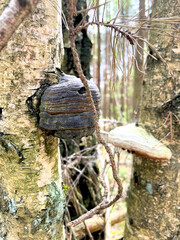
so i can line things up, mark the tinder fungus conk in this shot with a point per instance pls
(65, 110)
(139, 141)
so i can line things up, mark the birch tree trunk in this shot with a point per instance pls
(154, 194)
(31, 198)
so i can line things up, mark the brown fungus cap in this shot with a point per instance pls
(138, 140)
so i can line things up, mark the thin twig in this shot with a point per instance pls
(104, 204)
(88, 9)
(153, 48)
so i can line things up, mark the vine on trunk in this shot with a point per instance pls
(105, 203)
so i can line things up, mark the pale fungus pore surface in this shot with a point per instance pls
(139, 141)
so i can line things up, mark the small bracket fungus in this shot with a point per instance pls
(65, 110)
(139, 141)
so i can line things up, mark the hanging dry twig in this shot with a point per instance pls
(104, 204)
(124, 33)
(165, 124)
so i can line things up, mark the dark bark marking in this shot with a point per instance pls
(23, 3)
(2, 34)
(33, 102)
(136, 179)
(171, 105)
(131, 221)
(9, 146)
(1, 113)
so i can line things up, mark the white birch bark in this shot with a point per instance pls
(31, 199)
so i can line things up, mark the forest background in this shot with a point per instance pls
(29, 154)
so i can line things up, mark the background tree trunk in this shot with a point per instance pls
(83, 44)
(82, 179)
(153, 197)
(99, 49)
(31, 199)
(139, 62)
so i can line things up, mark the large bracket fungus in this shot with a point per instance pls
(65, 110)
(138, 140)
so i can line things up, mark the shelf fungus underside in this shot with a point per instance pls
(139, 141)
(65, 109)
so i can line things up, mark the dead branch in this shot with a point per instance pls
(104, 204)
(117, 28)
(97, 223)
(12, 17)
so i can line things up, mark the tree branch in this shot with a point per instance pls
(13, 15)
(117, 28)
(104, 204)
(97, 222)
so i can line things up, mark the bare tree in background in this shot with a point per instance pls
(139, 60)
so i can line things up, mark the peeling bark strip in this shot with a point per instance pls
(12, 17)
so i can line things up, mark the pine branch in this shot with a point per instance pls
(118, 29)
